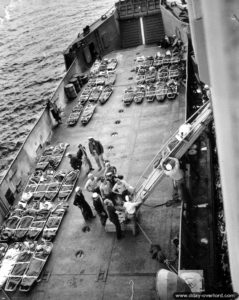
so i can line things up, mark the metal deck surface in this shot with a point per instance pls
(107, 266)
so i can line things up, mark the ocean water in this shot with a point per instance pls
(33, 34)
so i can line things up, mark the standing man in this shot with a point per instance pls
(97, 150)
(99, 208)
(92, 184)
(55, 111)
(82, 155)
(171, 168)
(113, 217)
(80, 201)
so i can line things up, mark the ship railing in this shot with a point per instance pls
(175, 146)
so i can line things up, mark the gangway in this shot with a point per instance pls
(176, 146)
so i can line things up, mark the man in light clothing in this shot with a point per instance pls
(171, 168)
(92, 185)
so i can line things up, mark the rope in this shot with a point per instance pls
(166, 261)
(170, 267)
(144, 233)
(132, 287)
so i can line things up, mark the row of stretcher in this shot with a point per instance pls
(164, 73)
(98, 89)
(158, 91)
(170, 57)
(52, 157)
(22, 263)
(106, 78)
(106, 64)
(33, 216)
(27, 234)
(90, 96)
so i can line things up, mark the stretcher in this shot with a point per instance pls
(139, 94)
(54, 221)
(9, 261)
(36, 265)
(150, 93)
(20, 267)
(111, 78)
(161, 92)
(68, 185)
(112, 64)
(88, 113)
(38, 224)
(9, 227)
(128, 96)
(54, 155)
(105, 95)
(22, 228)
(3, 250)
(85, 94)
(95, 94)
(75, 115)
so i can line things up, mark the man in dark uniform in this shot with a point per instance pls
(97, 150)
(80, 201)
(74, 161)
(113, 217)
(82, 155)
(55, 111)
(99, 208)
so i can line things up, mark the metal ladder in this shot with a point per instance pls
(174, 147)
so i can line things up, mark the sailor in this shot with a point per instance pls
(74, 161)
(110, 169)
(82, 204)
(55, 111)
(99, 208)
(97, 150)
(113, 217)
(92, 184)
(82, 155)
(171, 168)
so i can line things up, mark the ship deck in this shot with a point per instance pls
(108, 268)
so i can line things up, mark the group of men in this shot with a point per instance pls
(111, 194)
(96, 150)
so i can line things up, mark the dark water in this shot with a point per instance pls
(33, 34)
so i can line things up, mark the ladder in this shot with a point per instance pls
(176, 146)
